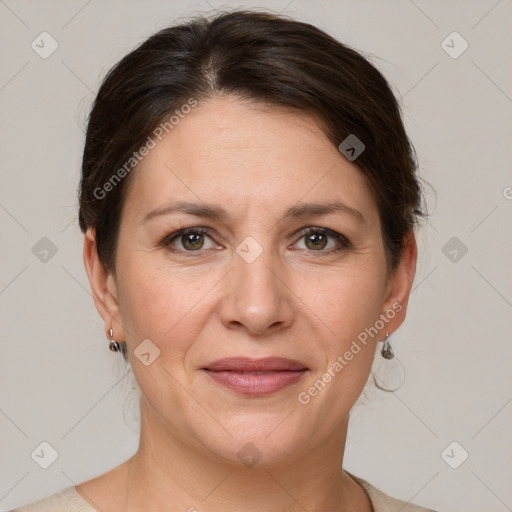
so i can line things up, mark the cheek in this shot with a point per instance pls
(161, 303)
(345, 312)
(158, 304)
(141, 299)
(349, 308)
(345, 303)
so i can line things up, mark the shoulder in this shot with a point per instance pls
(383, 503)
(67, 500)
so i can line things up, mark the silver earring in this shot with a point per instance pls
(114, 345)
(389, 376)
(387, 351)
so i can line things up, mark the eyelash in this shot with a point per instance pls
(343, 242)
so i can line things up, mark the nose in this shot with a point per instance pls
(257, 298)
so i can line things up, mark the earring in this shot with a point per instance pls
(387, 351)
(389, 376)
(114, 345)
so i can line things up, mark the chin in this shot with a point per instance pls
(256, 443)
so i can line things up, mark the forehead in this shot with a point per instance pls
(246, 155)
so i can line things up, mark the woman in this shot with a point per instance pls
(248, 199)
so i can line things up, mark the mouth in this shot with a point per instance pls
(256, 377)
(246, 364)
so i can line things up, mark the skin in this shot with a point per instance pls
(295, 301)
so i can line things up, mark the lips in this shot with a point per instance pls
(245, 364)
(255, 377)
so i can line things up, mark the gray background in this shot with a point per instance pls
(61, 384)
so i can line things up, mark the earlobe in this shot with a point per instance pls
(103, 286)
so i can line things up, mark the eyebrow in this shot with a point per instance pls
(218, 213)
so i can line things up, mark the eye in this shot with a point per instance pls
(316, 240)
(191, 239)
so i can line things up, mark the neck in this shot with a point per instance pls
(169, 471)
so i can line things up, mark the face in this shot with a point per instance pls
(268, 278)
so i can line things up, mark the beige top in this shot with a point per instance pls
(68, 500)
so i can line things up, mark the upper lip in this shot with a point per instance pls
(247, 364)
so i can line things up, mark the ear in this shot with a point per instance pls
(399, 286)
(103, 286)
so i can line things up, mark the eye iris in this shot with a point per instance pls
(318, 240)
(192, 239)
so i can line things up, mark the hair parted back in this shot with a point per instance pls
(260, 57)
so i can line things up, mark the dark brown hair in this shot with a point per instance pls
(260, 57)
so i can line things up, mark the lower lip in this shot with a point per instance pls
(251, 383)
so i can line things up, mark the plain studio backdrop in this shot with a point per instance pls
(443, 439)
